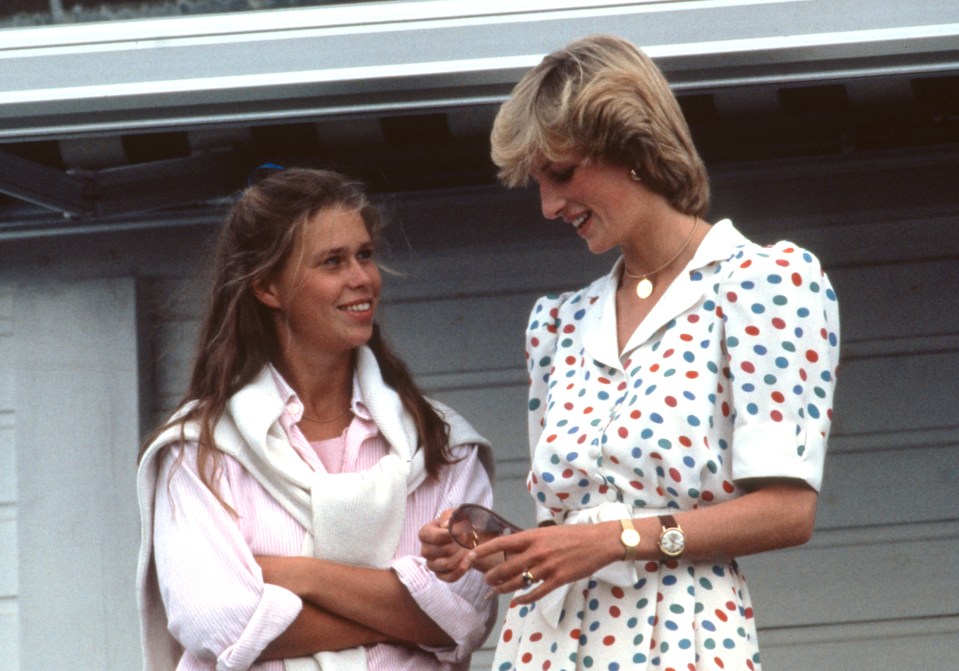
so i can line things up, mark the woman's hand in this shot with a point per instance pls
(444, 557)
(553, 556)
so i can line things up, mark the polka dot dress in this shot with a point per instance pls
(730, 377)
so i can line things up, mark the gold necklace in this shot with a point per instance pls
(644, 288)
(325, 421)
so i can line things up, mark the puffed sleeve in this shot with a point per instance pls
(781, 322)
(217, 605)
(542, 336)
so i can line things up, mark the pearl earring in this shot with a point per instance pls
(635, 176)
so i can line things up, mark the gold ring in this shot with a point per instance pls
(528, 578)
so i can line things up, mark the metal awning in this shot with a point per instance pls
(381, 57)
(324, 65)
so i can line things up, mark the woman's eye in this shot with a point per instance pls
(563, 176)
(331, 261)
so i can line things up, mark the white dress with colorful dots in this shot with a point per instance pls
(730, 377)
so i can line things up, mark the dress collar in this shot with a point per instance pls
(599, 323)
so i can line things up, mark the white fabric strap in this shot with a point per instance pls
(619, 573)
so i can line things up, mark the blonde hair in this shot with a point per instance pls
(601, 98)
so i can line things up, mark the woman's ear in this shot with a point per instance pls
(267, 292)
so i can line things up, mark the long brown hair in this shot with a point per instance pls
(237, 338)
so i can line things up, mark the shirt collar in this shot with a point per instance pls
(293, 406)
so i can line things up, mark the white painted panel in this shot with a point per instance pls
(848, 577)
(871, 488)
(895, 394)
(9, 567)
(77, 435)
(929, 643)
(9, 635)
(8, 460)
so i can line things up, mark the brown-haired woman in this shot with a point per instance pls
(281, 502)
(679, 406)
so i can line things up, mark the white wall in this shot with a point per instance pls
(74, 364)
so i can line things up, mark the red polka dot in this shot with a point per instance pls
(778, 396)
(535, 636)
(588, 410)
(574, 634)
(685, 441)
(635, 484)
(782, 262)
(728, 487)
(623, 432)
(707, 496)
(668, 353)
(635, 414)
(778, 323)
(719, 662)
(812, 356)
(507, 635)
(748, 366)
(614, 611)
(752, 330)
(776, 416)
(675, 475)
(722, 615)
(569, 328)
(691, 374)
(671, 401)
(731, 296)
(609, 640)
(546, 665)
(686, 337)
(527, 657)
(618, 592)
(746, 263)
(568, 473)
(551, 438)
(568, 405)
(797, 279)
(652, 567)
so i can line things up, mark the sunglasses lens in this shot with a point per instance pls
(471, 525)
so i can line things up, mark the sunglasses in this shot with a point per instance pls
(472, 524)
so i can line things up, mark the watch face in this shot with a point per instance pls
(629, 537)
(672, 542)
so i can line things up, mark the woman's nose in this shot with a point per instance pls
(550, 201)
(360, 273)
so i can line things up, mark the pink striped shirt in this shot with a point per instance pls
(218, 606)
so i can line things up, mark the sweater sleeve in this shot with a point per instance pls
(461, 608)
(218, 607)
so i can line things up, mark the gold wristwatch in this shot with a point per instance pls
(629, 537)
(672, 541)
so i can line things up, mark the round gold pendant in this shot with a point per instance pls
(644, 288)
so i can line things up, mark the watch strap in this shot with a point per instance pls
(668, 522)
(629, 530)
